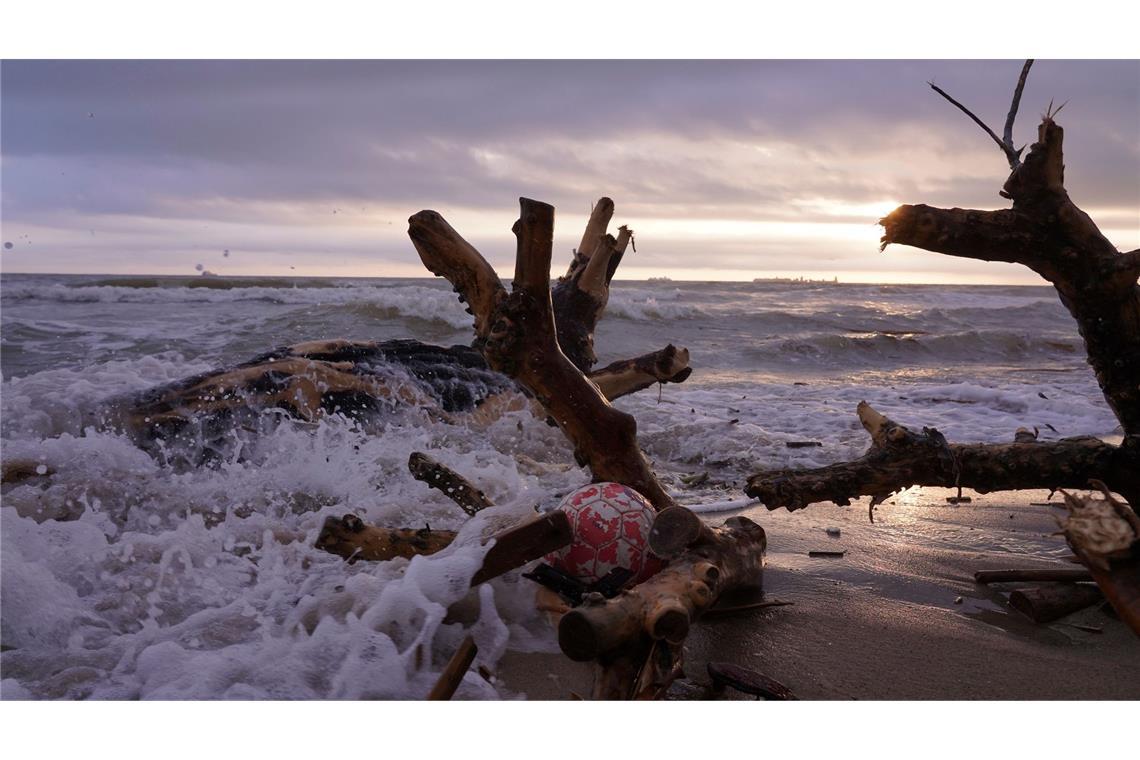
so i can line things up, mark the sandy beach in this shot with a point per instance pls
(882, 621)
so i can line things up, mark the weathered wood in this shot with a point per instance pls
(1047, 232)
(665, 606)
(899, 458)
(516, 333)
(450, 483)
(620, 378)
(350, 538)
(580, 296)
(1044, 604)
(453, 673)
(1055, 575)
(675, 530)
(1105, 536)
(725, 674)
(525, 542)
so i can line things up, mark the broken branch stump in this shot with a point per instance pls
(448, 482)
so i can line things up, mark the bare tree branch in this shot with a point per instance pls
(1008, 135)
(1012, 155)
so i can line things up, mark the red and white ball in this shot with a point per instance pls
(611, 525)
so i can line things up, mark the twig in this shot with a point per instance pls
(1008, 135)
(453, 673)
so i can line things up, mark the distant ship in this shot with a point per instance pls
(659, 279)
(795, 281)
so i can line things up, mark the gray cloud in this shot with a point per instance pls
(263, 152)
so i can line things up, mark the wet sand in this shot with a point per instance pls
(882, 621)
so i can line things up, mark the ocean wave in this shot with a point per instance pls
(847, 349)
(413, 301)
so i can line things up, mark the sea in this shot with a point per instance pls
(126, 576)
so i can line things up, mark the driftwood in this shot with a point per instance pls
(899, 458)
(580, 296)
(642, 630)
(309, 380)
(453, 673)
(1047, 232)
(1105, 536)
(1044, 604)
(516, 332)
(1057, 575)
(350, 538)
(450, 483)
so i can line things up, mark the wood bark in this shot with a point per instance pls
(899, 458)
(516, 332)
(1105, 536)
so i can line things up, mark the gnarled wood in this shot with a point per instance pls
(665, 606)
(518, 337)
(580, 296)
(1047, 232)
(899, 458)
(1105, 536)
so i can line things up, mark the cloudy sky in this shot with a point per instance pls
(725, 170)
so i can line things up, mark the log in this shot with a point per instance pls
(350, 538)
(1055, 575)
(1044, 604)
(1045, 231)
(665, 606)
(450, 483)
(899, 458)
(517, 335)
(453, 673)
(1105, 536)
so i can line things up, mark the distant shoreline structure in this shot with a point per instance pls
(795, 281)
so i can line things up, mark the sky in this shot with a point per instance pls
(725, 170)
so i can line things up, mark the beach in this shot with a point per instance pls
(189, 571)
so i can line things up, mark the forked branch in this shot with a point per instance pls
(1012, 155)
(517, 335)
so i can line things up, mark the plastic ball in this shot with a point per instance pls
(611, 525)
